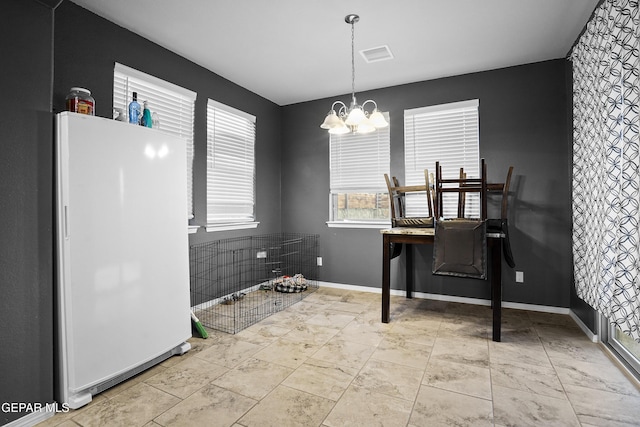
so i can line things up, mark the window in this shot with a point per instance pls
(448, 134)
(358, 192)
(173, 105)
(622, 345)
(231, 138)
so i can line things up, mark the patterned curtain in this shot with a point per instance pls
(606, 164)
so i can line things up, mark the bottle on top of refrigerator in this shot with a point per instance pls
(146, 115)
(134, 110)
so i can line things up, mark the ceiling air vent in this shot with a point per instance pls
(375, 54)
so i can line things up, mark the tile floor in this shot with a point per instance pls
(329, 361)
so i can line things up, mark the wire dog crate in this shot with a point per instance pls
(237, 282)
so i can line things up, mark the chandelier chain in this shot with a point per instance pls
(353, 62)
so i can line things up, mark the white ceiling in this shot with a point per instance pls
(291, 51)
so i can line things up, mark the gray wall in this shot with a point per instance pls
(26, 215)
(523, 122)
(34, 57)
(88, 62)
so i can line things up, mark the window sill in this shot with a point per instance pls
(193, 229)
(228, 226)
(358, 224)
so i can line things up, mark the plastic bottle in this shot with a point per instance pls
(134, 110)
(146, 116)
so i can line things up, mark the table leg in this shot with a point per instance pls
(496, 285)
(386, 277)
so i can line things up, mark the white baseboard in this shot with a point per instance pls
(588, 332)
(449, 298)
(477, 301)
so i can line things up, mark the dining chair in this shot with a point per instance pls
(398, 202)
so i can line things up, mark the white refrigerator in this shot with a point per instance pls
(122, 252)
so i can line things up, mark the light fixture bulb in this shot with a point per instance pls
(331, 121)
(355, 117)
(377, 119)
(365, 126)
(340, 130)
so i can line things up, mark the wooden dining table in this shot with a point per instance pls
(425, 236)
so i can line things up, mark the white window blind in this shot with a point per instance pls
(358, 163)
(173, 105)
(448, 134)
(231, 138)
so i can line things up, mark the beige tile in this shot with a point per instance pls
(390, 379)
(287, 353)
(478, 312)
(434, 308)
(253, 378)
(398, 350)
(329, 361)
(68, 423)
(594, 375)
(285, 406)
(345, 353)
(420, 322)
(458, 377)
(552, 319)
(59, 420)
(135, 406)
(366, 298)
(518, 334)
(211, 405)
(259, 337)
(373, 318)
(362, 407)
(574, 348)
(362, 332)
(141, 377)
(64, 417)
(349, 307)
(310, 307)
(185, 378)
(330, 319)
(268, 329)
(460, 350)
(230, 353)
(519, 408)
(321, 378)
(288, 318)
(311, 334)
(602, 408)
(532, 352)
(437, 407)
(527, 377)
(419, 331)
(465, 327)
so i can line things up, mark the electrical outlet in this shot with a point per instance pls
(519, 276)
(319, 261)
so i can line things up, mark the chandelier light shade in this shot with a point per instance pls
(355, 118)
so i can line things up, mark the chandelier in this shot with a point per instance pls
(355, 118)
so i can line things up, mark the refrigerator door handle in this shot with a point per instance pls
(66, 222)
